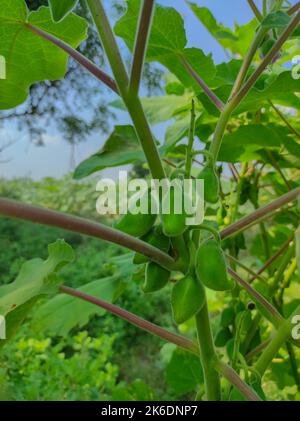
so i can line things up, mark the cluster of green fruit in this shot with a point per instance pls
(205, 264)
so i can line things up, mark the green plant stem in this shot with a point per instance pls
(231, 375)
(286, 281)
(220, 129)
(208, 355)
(238, 92)
(133, 104)
(247, 61)
(265, 239)
(257, 350)
(141, 41)
(255, 10)
(209, 93)
(178, 340)
(294, 9)
(35, 214)
(265, 10)
(246, 269)
(109, 44)
(267, 59)
(77, 56)
(209, 228)
(293, 362)
(271, 350)
(233, 103)
(189, 149)
(281, 269)
(238, 192)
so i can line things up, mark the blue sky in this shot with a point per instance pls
(54, 158)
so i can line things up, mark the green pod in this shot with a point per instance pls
(267, 45)
(223, 335)
(211, 266)
(173, 224)
(211, 183)
(155, 238)
(138, 224)
(188, 297)
(156, 277)
(227, 317)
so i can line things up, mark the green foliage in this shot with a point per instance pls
(237, 118)
(52, 370)
(183, 372)
(188, 297)
(36, 278)
(60, 8)
(156, 277)
(47, 62)
(167, 43)
(121, 148)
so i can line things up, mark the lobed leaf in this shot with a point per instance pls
(30, 58)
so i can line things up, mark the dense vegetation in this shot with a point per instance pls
(223, 294)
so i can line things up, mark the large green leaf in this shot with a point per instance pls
(237, 41)
(63, 312)
(297, 241)
(122, 147)
(243, 144)
(167, 43)
(184, 372)
(30, 58)
(277, 19)
(281, 89)
(160, 108)
(37, 277)
(60, 8)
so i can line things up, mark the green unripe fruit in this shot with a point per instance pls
(222, 337)
(227, 317)
(211, 184)
(155, 238)
(267, 45)
(173, 224)
(211, 266)
(188, 297)
(156, 277)
(138, 224)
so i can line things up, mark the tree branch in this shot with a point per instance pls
(178, 340)
(77, 56)
(273, 258)
(260, 212)
(231, 375)
(294, 9)
(142, 36)
(14, 209)
(267, 59)
(210, 94)
(255, 10)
